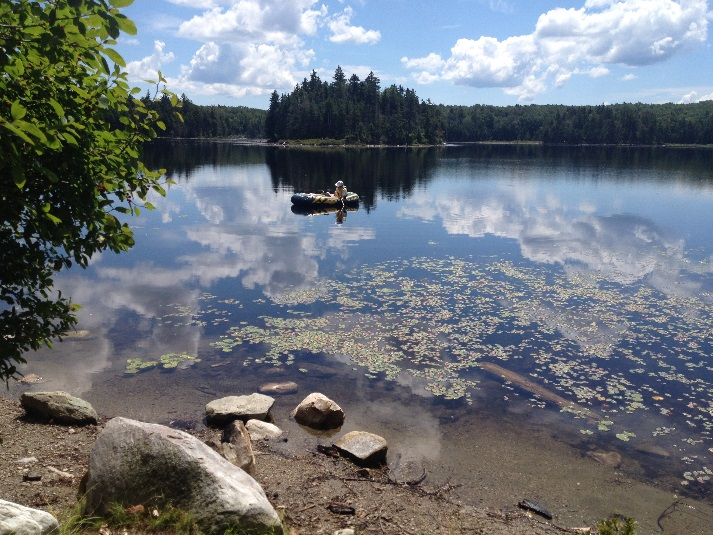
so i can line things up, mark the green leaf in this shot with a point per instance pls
(32, 130)
(114, 56)
(49, 174)
(69, 138)
(53, 142)
(17, 132)
(18, 175)
(56, 107)
(126, 24)
(121, 3)
(56, 220)
(17, 111)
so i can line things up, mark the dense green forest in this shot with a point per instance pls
(355, 110)
(207, 121)
(358, 111)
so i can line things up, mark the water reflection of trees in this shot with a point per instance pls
(394, 172)
(391, 172)
(182, 157)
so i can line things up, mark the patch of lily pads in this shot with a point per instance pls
(169, 361)
(619, 350)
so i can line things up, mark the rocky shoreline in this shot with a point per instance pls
(321, 491)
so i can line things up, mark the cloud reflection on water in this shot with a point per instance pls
(228, 223)
(236, 227)
(620, 247)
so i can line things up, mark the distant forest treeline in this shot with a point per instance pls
(358, 111)
(207, 121)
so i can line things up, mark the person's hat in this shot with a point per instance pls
(339, 183)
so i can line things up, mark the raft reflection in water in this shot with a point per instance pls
(340, 213)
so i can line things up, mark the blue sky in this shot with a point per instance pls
(501, 52)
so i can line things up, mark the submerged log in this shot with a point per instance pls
(539, 390)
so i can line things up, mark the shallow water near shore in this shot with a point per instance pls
(585, 274)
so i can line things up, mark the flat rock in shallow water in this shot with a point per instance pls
(60, 407)
(31, 378)
(607, 458)
(317, 370)
(407, 471)
(260, 430)
(362, 447)
(225, 410)
(653, 449)
(277, 389)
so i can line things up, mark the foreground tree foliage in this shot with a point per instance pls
(70, 134)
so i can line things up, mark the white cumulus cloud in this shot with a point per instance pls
(568, 42)
(343, 31)
(148, 67)
(245, 47)
(693, 97)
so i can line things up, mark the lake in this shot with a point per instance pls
(519, 321)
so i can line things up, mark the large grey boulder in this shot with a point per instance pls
(364, 448)
(319, 412)
(139, 463)
(222, 411)
(60, 407)
(17, 519)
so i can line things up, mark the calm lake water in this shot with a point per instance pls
(499, 313)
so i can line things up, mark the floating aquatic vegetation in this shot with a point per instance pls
(176, 360)
(136, 365)
(604, 348)
(700, 476)
(625, 436)
(167, 361)
(302, 296)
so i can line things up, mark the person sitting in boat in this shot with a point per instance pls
(341, 191)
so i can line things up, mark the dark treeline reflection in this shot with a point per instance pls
(627, 161)
(395, 172)
(391, 172)
(181, 158)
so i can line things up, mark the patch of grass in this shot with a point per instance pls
(74, 522)
(617, 525)
(142, 519)
(137, 519)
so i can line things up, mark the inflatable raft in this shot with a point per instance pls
(315, 200)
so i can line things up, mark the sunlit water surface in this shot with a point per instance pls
(496, 312)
